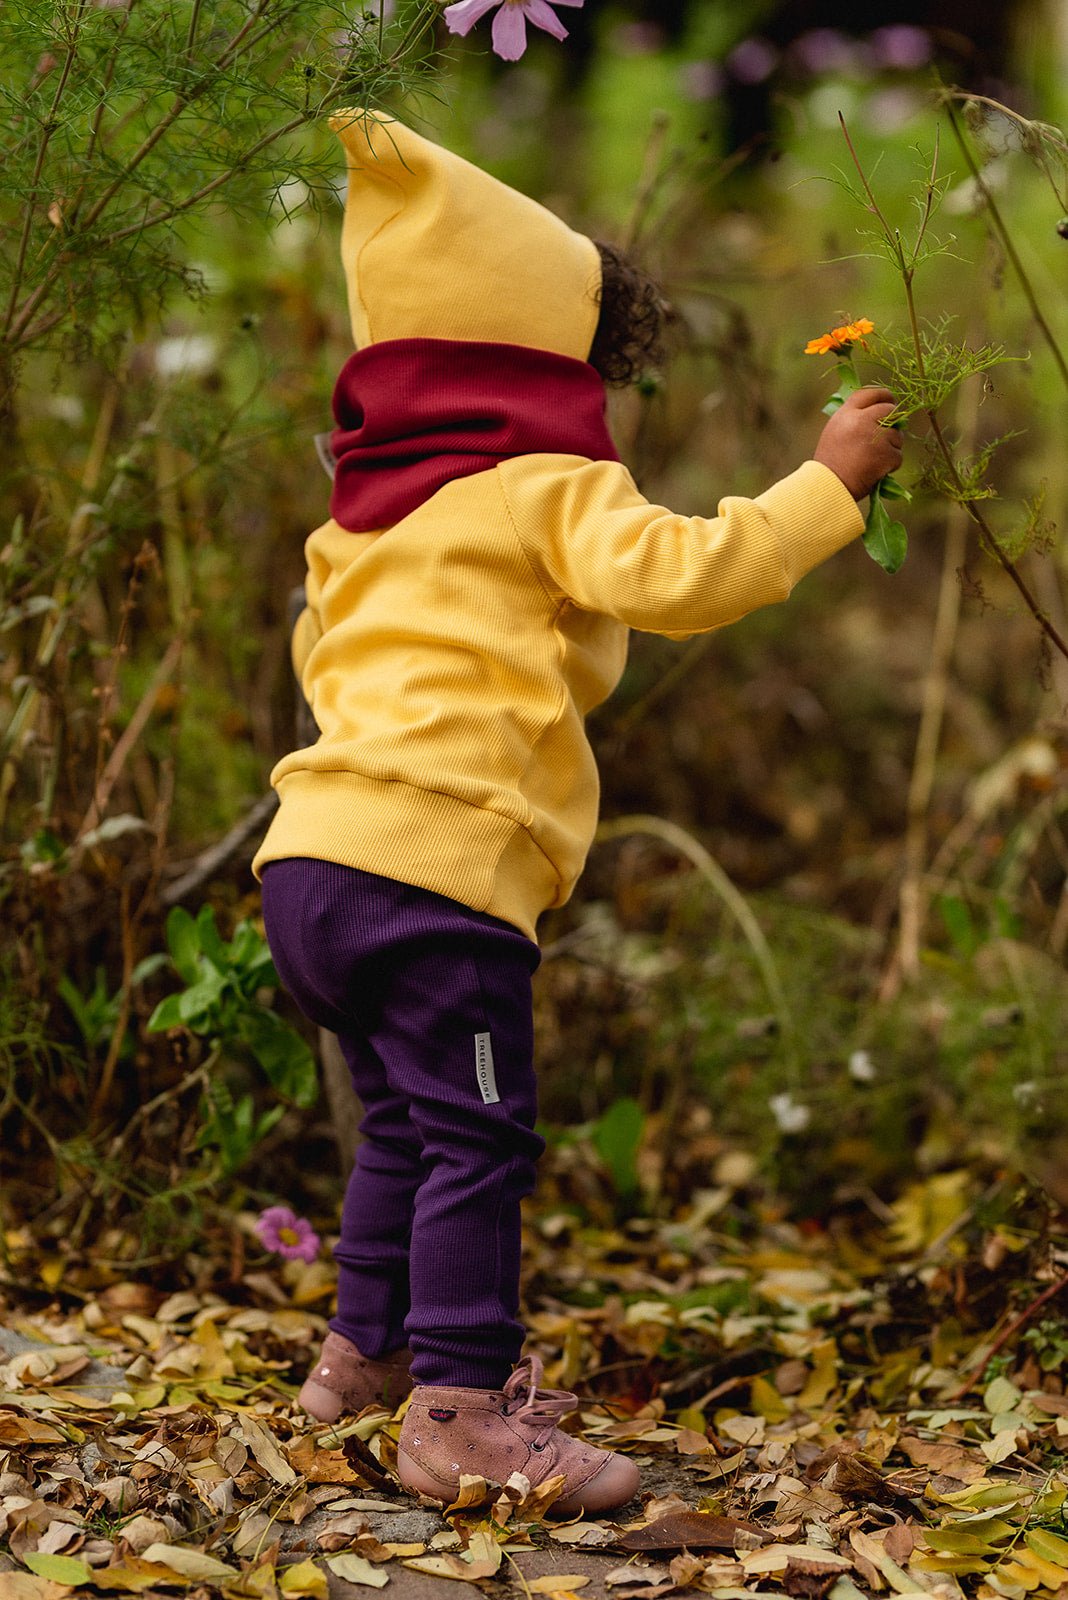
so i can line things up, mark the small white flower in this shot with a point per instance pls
(185, 355)
(788, 1113)
(1024, 1093)
(861, 1067)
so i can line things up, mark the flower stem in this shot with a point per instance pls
(907, 270)
(998, 224)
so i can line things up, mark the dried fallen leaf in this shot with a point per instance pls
(634, 1574)
(29, 1586)
(134, 1575)
(694, 1530)
(558, 1583)
(304, 1579)
(264, 1447)
(317, 1465)
(588, 1535)
(472, 1491)
(189, 1563)
(356, 1569)
(15, 1429)
(481, 1559)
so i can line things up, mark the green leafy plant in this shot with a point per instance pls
(616, 1136)
(223, 1003)
(97, 1013)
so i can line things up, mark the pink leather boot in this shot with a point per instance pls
(345, 1380)
(492, 1433)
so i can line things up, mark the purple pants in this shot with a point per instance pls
(431, 1004)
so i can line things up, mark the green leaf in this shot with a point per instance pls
(616, 1137)
(848, 383)
(890, 489)
(197, 1003)
(282, 1053)
(959, 925)
(60, 1569)
(166, 1015)
(183, 943)
(211, 942)
(148, 967)
(885, 540)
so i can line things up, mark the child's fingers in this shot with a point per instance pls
(860, 398)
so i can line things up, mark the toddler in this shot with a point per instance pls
(468, 603)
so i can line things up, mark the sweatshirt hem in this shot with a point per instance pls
(419, 836)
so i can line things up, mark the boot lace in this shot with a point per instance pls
(540, 1409)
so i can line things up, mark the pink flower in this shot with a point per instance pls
(291, 1236)
(510, 23)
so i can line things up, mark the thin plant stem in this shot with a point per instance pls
(998, 224)
(47, 131)
(98, 115)
(912, 900)
(680, 669)
(989, 539)
(181, 103)
(130, 735)
(1055, 1288)
(194, 22)
(677, 838)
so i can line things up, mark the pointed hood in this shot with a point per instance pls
(435, 248)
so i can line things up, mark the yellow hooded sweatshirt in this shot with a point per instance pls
(451, 659)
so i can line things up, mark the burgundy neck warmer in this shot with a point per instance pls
(414, 413)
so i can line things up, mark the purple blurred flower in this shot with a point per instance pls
(701, 80)
(902, 47)
(824, 50)
(752, 61)
(637, 38)
(280, 1229)
(510, 23)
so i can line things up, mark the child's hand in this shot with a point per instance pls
(855, 447)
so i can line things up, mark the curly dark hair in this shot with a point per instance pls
(630, 329)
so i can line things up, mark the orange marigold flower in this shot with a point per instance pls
(840, 338)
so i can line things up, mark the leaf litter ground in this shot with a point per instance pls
(836, 1411)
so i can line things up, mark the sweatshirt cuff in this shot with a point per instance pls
(813, 514)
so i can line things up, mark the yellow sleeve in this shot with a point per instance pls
(307, 631)
(595, 540)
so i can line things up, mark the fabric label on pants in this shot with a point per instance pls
(487, 1082)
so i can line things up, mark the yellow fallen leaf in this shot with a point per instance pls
(261, 1583)
(693, 1417)
(472, 1491)
(189, 1563)
(304, 1579)
(1050, 1574)
(1024, 1577)
(1050, 1546)
(134, 1574)
(557, 1584)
